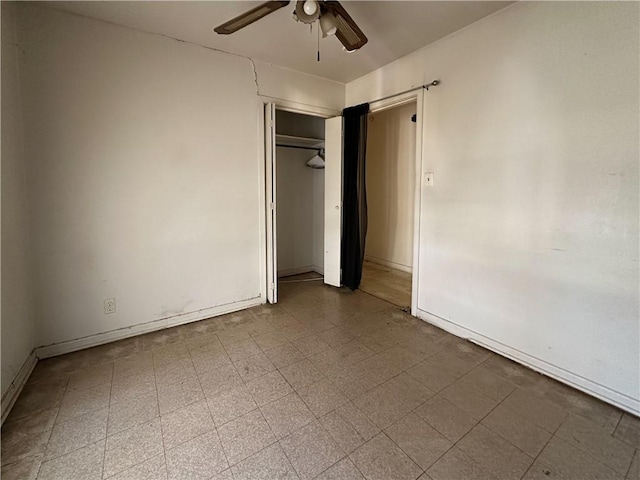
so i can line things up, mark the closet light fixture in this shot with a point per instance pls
(328, 24)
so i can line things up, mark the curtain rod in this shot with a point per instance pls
(426, 85)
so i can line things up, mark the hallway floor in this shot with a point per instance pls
(328, 384)
(386, 283)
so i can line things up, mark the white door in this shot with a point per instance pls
(270, 174)
(332, 200)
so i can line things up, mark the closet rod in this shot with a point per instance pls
(426, 85)
(296, 146)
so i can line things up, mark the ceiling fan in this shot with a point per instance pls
(333, 18)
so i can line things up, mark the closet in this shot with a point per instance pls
(300, 175)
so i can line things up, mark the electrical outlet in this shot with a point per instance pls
(109, 306)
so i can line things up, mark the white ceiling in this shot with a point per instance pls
(394, 29)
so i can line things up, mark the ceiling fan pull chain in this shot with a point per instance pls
(318, 41)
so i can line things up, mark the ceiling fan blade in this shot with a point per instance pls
(247, 18)
(348, 31)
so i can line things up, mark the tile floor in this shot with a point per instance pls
(329, 384)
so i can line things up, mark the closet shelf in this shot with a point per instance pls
(292, 141)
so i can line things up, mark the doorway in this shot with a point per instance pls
(300, 196)
(391, 183)
(302, 178)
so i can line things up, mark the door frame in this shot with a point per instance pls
(288, 106)
(416, 96)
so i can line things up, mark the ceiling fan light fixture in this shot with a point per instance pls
(301, 14)
(310, 7)
(328, 24)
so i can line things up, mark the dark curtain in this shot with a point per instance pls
(354, 194)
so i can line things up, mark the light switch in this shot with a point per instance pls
(428, 179)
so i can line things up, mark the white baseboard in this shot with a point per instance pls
(287, 272)
(605, 394)
(388, 263)
(121, 333)
(12, 393)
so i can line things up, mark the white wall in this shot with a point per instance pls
(144, 174)
(18, 326)
(391, 165)
(529, 237)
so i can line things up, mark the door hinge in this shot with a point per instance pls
(272, 206)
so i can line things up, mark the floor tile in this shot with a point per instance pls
(634, 469)
(216, 381)
(209, 357)
(400, 357)
(197, 459)
(581, 404)
(456, 465)
(268, 388)
(301, 374)
(233, 335)
(381, 459)
(382, 405)
(18, 443)
(310, 345)
(79, 432)
(539, 471)
(268, 464)
(628, 430)
(132, 412)
(245, 436)
(488, 383)
(322, 397)
(185, 423)
(526, 435)
(453, 363)
(410, 392)
(494, 454)
(230, 404)
(153, 469)
(418, 440)
(83, 464)
(254, 366)
(349, 427)
(90, 377)
(160, 338)
(271, 340)
(536, 409)
(446, 418)
(286, 415)
(36, 398)
(180, 394)
(311, 450)
(597, 443)
(170, 353)
(472, 401)
(343, 470)
(79, 402)
(568, 462)
(25, 469)
(513, 372)
(431, 375)
(242, 349)
(127, 387)
(175, 371)
(132, 447)
(353, 352)
(284, 355)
